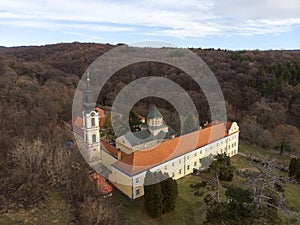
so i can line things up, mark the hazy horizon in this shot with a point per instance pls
(225, 24)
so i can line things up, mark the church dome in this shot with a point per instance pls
(154, 113)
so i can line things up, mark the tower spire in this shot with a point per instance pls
(88, 102)
(88, 81)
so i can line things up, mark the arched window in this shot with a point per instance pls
(94, 137)
(93, 122)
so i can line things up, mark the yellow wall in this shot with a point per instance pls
(107, 159)
(129, 186)
(121, 181)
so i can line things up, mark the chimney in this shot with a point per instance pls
(119, 153)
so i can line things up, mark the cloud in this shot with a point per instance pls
(175, 18)
(258, 9)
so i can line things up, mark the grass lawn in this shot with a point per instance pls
(241, 163)
(191, 209)
(292, 195)
(282, 160)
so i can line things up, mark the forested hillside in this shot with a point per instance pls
(37, 84)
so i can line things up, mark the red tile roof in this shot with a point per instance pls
(102, 116)
(144, 159)
(77, 125)
(109, 148)
(101, 184)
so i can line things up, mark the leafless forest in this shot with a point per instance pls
(37, 84)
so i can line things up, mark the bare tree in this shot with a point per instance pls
(28, 156)
(267, 185)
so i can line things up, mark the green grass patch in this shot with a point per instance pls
(191, 209)
(292, 194)
(250, 150)
(241, 163)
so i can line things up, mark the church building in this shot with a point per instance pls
(151, 133)
(154, 148)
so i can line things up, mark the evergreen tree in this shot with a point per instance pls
(170, 192)
(134, 121)
(160, 193)
(240, 210)
(153, 195)
(238, 194)
(223, 165)
(294, 168)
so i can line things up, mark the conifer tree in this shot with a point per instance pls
(170, 192)
(160, 193)
(294, 168)
(153, 195)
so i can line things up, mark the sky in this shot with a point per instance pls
(225, 24)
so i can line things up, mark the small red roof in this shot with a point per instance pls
(77, 125)
(109, 148)
(102, 115)
(101, 184)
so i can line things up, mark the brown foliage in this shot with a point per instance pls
(37, 84)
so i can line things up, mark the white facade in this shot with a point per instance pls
(91, 135)
(180, 166)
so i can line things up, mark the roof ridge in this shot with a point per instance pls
(167, 150)
(154, 112)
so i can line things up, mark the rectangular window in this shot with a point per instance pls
(195, 163)
(173, 174)
(200, 151)
(179, 171)
(195, 154)
(188, 167)
(187, 157)
(179, 160)
(137, 192)
(173, 164)
(137, 180)
(166, 167)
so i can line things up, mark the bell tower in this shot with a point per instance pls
(90, 124)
